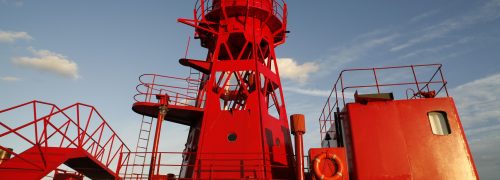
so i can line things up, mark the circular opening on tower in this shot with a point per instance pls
(231, 137)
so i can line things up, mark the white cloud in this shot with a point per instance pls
(9, 78)
(479, 100)
(437, 48)
(478, 103)
(318, 92)
(357, 49)
(423, 16)
(490, 11)
(10, 36)
(306, 91)
(17, 3)
(48, 61)
(362, 45)
(290, 69)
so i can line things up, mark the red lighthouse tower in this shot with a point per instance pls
(239, 136)
(238, 122)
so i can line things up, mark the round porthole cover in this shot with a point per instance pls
(231, 137)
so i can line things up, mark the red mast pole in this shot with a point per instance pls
(162, 111)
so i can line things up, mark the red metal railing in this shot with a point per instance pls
(182, 91)
(402, 80)
(40, 124)
(203, 7)
(168, 163)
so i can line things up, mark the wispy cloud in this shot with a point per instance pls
(478, 103)
(361, 46)
(424, 16)
(475, 132)
(308, 91)
(17, 3)
(48, 61)
(488, 12)
(479, 100)
(11, 36)
(10, 78)
(437, 48)
(485, 153)
(290, 69)
(317, 92)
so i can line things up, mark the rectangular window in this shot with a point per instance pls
(439, 123)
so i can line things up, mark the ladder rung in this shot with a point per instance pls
(144, 139)
(141, 147)
(145, 130)
(146, 122)
(139, 155)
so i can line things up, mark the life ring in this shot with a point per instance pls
(328, 156)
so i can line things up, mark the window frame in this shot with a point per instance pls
(439, 126)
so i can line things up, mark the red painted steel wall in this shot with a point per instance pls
(394, 140)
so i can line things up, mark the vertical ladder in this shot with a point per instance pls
(192, 89)
(142, 146)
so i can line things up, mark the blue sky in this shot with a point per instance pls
(92, 52)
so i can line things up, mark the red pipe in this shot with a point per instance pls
(299, 129)
(299, 149)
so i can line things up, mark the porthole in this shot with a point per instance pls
(231, 137)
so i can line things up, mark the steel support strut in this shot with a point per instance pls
(162, 111)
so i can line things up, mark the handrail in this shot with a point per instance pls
(203, 7)
(337, 97)
(182, 91)
(67, 127)
(251, 162)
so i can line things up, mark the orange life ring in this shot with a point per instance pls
(335, 159)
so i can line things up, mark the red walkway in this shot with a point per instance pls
(76, 136)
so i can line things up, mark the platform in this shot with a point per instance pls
(186, 115)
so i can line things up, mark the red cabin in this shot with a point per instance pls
(415, 134)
